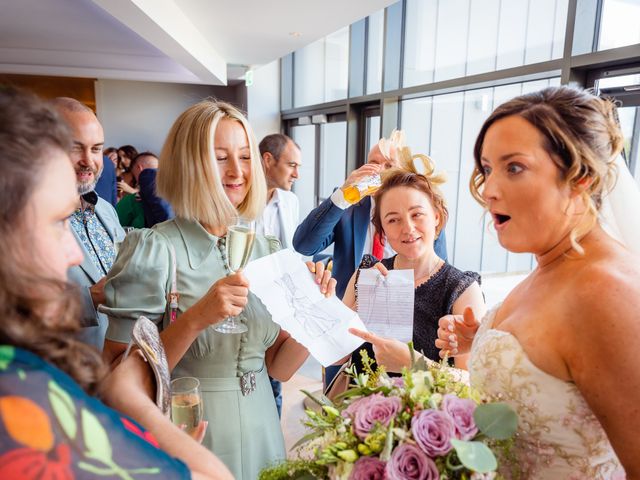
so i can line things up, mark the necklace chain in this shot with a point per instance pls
(430, 272)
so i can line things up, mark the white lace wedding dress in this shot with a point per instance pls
(558, 435)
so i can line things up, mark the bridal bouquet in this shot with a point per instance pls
(427, 424)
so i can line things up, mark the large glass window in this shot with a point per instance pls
(403, 59)
(321, 70)
(452, 38)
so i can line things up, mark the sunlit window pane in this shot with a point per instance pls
(620, 24)
(454, 38)
(375, 47)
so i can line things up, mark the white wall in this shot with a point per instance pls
(263, 100)
(141, 113)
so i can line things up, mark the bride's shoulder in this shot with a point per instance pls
(610, 283)
(615, 266)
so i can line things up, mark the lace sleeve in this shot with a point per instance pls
(367, 261)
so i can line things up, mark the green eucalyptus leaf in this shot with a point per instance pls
(95, 438)
(352, 392)
(64, 409)
(475, 456)
(7, 352)
(496, 420)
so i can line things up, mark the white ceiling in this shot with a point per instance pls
(183, 41)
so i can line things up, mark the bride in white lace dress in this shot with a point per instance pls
(562, 347)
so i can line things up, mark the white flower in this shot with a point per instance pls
(422, 383)
(384, 381)
(341, 471)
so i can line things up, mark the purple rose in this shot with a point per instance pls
(369, 410)
(461, 412)
(397, 382)
(408, 462)
(368, 468)
(433, 431)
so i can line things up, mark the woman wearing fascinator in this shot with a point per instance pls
(562, 347)
(409, 213)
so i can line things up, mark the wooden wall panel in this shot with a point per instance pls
(82, 89)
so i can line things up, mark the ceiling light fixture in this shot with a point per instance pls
(295, 34)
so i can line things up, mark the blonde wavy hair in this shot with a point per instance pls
(188, 176)
(582, 136)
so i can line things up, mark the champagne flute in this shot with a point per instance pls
(186, 403)
(239, 245)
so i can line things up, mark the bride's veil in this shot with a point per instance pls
(620, 211)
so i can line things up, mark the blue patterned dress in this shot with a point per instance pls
(51, 429)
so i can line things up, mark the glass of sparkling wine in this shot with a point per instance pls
(240, 236)
(186, 403)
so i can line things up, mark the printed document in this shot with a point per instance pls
(385, 304)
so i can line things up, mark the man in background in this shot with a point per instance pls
(281, 159)
(95, 222)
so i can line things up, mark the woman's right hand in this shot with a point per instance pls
(226, 298)
(456, 333)
(381, 268)
(125, 188)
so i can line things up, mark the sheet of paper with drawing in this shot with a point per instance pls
(385, 304)
(284, 284)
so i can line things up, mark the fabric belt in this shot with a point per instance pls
(246, 383)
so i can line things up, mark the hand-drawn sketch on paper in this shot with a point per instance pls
(314, 319)
(284, 284)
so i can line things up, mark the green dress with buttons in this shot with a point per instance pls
(244, 429)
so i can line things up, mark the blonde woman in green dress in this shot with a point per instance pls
(210, 171)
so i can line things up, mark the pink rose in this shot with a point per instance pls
(368, 468)
(433, 431)
(461, 412)
(368, 411)
(408, 462)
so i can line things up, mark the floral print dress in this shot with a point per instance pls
(558, 435)
(50, 429)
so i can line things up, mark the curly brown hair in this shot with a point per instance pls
(417, 181)
(582, 136)
(38, 314)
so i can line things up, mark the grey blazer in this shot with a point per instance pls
(87, 274)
